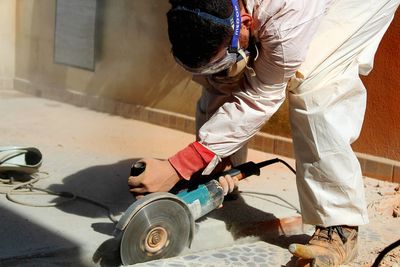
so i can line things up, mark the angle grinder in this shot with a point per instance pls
(160, 225)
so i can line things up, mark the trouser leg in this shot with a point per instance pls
(327, 103)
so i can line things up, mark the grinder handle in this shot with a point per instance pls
(239, 172)
(137, 168)
(242, 171)
(234, 173)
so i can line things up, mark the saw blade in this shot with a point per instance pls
(160, 229)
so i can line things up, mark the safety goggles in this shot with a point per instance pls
(228, 60)
(232, 54)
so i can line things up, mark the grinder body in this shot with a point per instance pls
(160, 225)
(204, 199)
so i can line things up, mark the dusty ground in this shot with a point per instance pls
(384, 213)
(70, 138)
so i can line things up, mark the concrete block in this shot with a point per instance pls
(151, 117)
(268, 144)
(190, 126)
(257, 142)
(144, 114)
(381, 170)
(172, 122)
(284, 148)
(396, 174)
(362, 162)
(180, 123)
(136, 112)
(162, 119)
(124, 110)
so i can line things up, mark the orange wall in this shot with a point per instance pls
(381, 132)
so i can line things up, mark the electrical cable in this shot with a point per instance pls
(271, 195)
(273, 161)
(29, 185)
(287, 165)
(385, 251)
(270, 162)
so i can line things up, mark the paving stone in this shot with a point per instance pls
(255, 254)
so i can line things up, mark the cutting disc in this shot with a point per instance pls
(160, 229)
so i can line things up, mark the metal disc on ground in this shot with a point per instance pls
(160, 229)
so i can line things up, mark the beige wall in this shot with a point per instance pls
(134, 63)
(135, 66)
(7, 42)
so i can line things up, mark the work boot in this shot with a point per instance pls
(330, 246)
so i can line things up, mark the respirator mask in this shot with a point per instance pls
(234, 61)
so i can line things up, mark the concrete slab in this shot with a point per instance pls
(90, 154)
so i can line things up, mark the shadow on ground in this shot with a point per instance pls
(24, 243)
(107, 184)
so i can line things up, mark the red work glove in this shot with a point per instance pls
(191, 159)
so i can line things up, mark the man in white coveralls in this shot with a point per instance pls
(247, 54)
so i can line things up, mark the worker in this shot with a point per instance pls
(248, 55)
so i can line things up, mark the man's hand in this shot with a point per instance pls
(228, 183)
(159, 176)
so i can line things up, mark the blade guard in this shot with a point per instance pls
(142, 202)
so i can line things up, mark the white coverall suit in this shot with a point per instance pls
(315, 49)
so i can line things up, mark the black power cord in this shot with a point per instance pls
(385, 251)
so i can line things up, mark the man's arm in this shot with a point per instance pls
(240, 118)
